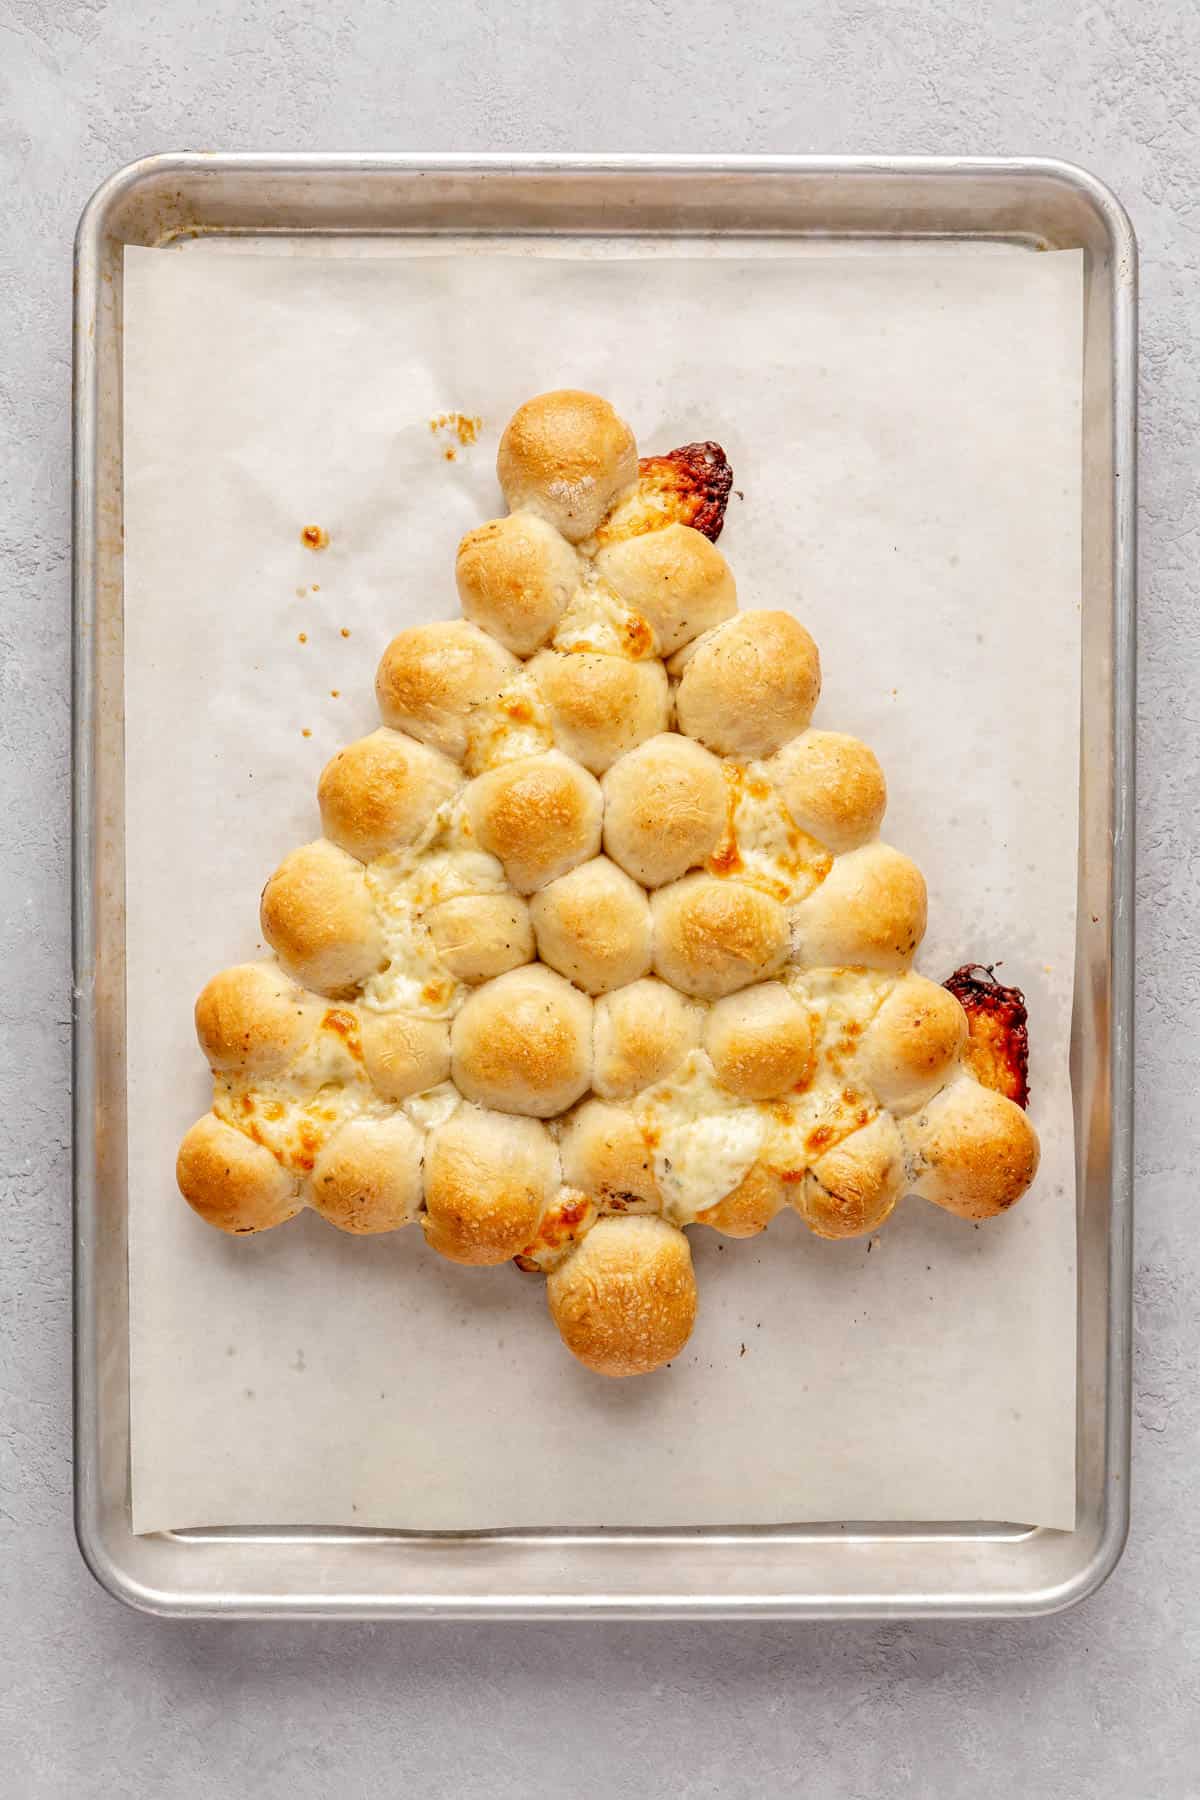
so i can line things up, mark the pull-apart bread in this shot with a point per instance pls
(599, 939)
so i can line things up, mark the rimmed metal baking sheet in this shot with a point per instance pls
(846, 1570)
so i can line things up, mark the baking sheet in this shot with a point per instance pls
(904, 429)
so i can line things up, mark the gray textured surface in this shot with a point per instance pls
(96, 1701)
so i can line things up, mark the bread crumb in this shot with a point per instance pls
(465, 427)
(314, 537)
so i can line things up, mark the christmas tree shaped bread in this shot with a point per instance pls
(599, 939)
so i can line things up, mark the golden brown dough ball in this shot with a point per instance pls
(566, 456)
(640, 1033)
(913, 1043)
(523, 1043)
(751, 1206)
(851, 1189)
(232, 1182)
(971, 1150)
(487, 1178)
(750, 685)
(379, 794)
(833, 787)
(404, 1055)
(712, 937)
(605, 1155)
(368, 1176)
(541, 815)
(431, 678)
(479, 936)
(869, 912)
(664, 808)
(760, 1041)
(318, 917)
(252, 1020)
(601, 706)
(625, 1300)
(593, 926)
(516, 577)
(675, 578)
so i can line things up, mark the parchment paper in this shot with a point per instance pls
(904, 430)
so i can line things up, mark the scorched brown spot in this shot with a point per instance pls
(998, 1047)
(688, 486)
(692, 484)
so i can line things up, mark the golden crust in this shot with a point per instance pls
(515, 579)
(664, 808)
(594, 926)
(712, 937)
(402, 1054)
(751, 1206)
(625, 1300)
(760, 1041)
(750, 685)
(431, 677)
(487, 1179)
(833, 787)
(232, 1182)
(566, 456)
(479, 936)
(912, 1044)
(252, 1020)
(379, 794)
(541, 815)
(971, 1150)
(851, 1189)
(367, 1178)
(640, 1033)
(675, 578)
(523, 1043)
(869, 912)
(605, 1155)
(318, 918)
(601, 706)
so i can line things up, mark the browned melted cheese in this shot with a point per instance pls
(687, 486)
(997, 1052)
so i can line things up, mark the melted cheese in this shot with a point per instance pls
(597, 620)
(512, 723)
(843, 1002)
(703, 1138)
(294, 1128)
(432, 1108)
(445, 864)
(296, 1112)
(762, 843)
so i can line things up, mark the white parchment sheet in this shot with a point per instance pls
(905, 434)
